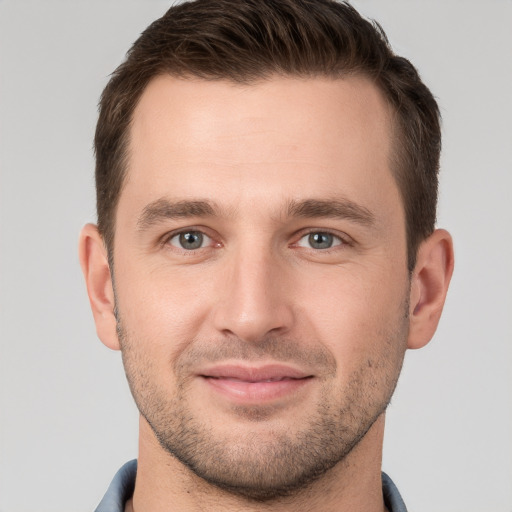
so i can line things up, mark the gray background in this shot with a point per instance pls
(67, 421)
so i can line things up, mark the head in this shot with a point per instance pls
(267, 177)
(247, 41)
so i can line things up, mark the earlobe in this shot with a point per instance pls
(429, 286)
(96, 270)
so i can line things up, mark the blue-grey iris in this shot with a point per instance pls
(320, 240)
(191, 240)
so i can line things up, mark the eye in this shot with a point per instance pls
(190, 240)
(319, 240)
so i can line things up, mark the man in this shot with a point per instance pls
(265, 253)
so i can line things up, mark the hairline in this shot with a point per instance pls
(396, 135)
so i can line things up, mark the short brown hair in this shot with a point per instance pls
(248, 40)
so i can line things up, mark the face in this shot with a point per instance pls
(261, 275)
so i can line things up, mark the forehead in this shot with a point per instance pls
(279, 137)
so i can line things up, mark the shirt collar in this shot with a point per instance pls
(121, 490)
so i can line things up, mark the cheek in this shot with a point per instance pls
(357, 312)
(161, 306)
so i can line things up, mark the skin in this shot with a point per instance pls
(257, 170)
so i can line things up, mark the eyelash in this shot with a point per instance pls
(339, 243)
(166, 240)
(343, 240)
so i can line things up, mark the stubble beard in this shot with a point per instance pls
(264, 465)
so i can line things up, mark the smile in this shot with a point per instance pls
(253, 385)
(277, 379)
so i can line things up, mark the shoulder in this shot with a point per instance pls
(120, 489)
(392, 498)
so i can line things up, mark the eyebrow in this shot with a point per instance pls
(163, 209)
(334, 208)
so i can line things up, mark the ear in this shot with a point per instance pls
(96, 270)
(429, 285)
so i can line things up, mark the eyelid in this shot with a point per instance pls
(206, 240)
(165, 239)
(345, 240)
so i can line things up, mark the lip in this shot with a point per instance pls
(255, 384)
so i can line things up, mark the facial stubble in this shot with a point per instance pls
(264, 464)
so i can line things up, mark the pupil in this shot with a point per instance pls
(320, 240)
(191, 240)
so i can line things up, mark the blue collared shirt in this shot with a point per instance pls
(121, 490)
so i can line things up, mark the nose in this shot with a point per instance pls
(254, 300)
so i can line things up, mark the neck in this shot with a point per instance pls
(354, 484)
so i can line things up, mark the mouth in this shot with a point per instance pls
(245, 384)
